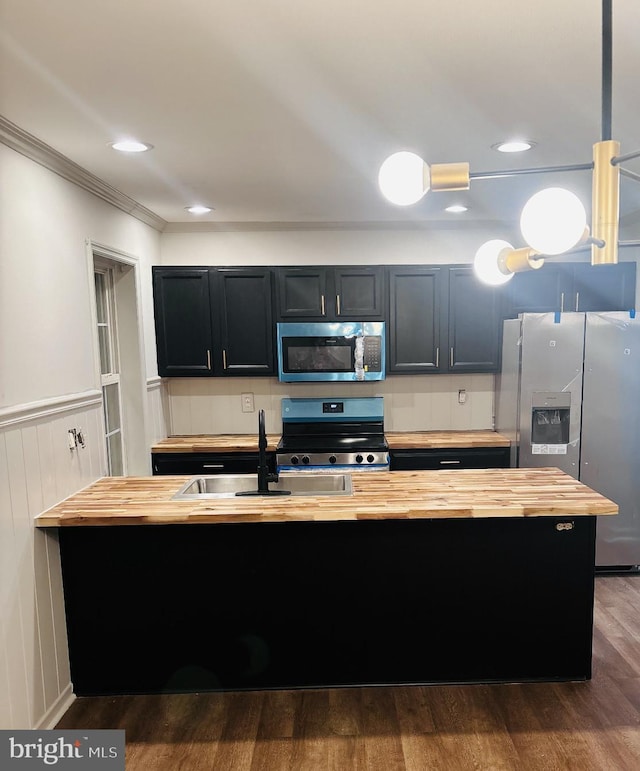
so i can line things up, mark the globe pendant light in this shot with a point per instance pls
(404, 178)
(553, 221)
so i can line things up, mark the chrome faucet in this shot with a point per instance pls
(264, 475)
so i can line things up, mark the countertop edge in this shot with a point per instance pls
(438, 494)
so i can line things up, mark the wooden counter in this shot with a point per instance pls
(214, 443)
(451, 494)
(398, 440)
(443, 440)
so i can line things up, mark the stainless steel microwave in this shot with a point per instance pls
(324, 351)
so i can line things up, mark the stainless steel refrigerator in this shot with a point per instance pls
(568, 396)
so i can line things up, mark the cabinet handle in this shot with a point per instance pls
(437, 357)
(213, 465)
(224, 359)
(208, 359)
(562, 302)
(449, 462)
(322, 305)
(451, 357)
(337, 304)
(577, 300)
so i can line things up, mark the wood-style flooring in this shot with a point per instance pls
(583, 726)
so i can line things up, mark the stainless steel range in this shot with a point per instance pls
(331, 434)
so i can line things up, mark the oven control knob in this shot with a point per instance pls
(333, 459)
(370, 458)
(305, 459)
(359, 458)
(295, 460)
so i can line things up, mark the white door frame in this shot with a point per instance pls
(128, 297)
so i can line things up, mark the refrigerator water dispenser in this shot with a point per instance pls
(550, 418)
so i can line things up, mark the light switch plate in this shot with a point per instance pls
(247, 402)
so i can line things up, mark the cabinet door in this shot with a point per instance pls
(540, 291)
(182, 321)
(417, 460)
(359, 293)
(414, 319)
(474, 323)
(208, 463)
(604, 287)
(242, 321)
(302, 293)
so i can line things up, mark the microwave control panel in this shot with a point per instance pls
(372, 355)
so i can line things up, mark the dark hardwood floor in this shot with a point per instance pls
(582, 726)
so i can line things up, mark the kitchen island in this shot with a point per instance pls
(418, 577)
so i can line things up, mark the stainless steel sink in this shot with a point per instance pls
(297, 483)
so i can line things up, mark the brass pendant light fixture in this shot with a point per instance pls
(553, 221)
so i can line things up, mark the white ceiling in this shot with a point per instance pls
(282, 110)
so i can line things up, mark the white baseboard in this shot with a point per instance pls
(51, 717)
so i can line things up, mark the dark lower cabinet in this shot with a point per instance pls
(164, 463)
(416, 460)
(175, 608)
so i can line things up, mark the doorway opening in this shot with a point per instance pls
(119, 360)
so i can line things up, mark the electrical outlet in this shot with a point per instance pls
(247, 402)
(462, 396)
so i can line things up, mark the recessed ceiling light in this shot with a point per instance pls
(199, 209)
(131, 146)
(514, 146)
(457, 208)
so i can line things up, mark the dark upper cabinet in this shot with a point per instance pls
(474, 320)
(302, 293)
(242, 321)
(442, 319)
(604, 287)
(329, 293)
(415, 294)
(573, 287)
(213, 321)
(359, 293)
(183, 321)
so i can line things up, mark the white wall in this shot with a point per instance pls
(428, 245)
(48, 384)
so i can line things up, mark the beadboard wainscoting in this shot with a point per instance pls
(37, 470)
(411, 402)
(157, 411)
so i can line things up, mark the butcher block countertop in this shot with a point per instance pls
(465, 493)
(398, 440)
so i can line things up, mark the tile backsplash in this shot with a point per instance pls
(411, 402)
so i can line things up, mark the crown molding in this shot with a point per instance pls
(31, 147)
(378, 225)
